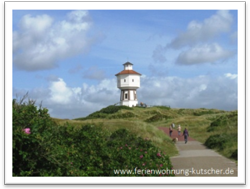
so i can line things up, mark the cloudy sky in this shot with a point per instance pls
(68, 58)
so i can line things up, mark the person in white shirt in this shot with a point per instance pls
(179, 130)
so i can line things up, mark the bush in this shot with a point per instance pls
(224, 121)
(215, 141)
(217, 123)
(28, 148)
(220, 141)
(142, 154)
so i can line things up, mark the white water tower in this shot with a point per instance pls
(128, 81)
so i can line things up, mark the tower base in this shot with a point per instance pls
(130, 103)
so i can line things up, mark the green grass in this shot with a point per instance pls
(144, 122)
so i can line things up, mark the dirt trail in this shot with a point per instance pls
(195, 159)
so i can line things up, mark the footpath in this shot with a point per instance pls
(195, 159)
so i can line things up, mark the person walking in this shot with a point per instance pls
(185, 134)
(170, 130)
(179, 130)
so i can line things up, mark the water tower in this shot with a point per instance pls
(128, 81)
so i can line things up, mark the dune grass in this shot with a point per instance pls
(144, 122)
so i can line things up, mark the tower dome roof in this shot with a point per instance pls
(128, 72)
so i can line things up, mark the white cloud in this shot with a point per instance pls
(231, 76)
(60, 93)
(199, 32)
(203, 54)
(40, 43)
(31, 30)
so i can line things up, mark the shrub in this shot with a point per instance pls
(78, 152)
(28, 147)
(220, 141)
(219, 121)
(215, 141)
(224, 121)
(87, 152)
(142, 154)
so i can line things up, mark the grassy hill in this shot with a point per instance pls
(217, 129)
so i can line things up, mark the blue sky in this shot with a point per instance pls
(68, 58)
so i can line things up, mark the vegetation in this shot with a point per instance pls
(209, 126)
(224, 138)
(105, 112)
(31, 132)
(42, 147)
(114, 138)
(157, 117)
(224, 121)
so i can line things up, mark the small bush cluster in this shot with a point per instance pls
(222, 141)
(223, 121)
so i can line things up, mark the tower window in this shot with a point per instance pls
(124, 80)
(126, 96)
(132, 80)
